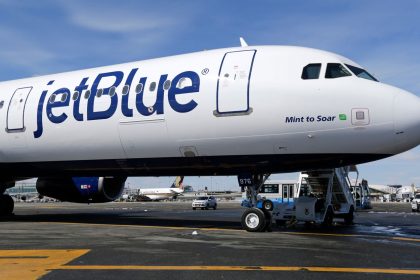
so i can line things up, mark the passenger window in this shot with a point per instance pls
(184, 82)
(112, 91)
(99, 92)
(311, 71)
(64, 97)
(125, 90)
(87, 94)
(152, 86)
(167, 85)
(336, 70)
(52, 98)
(75, 95)
(139, 88)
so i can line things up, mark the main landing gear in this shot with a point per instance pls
(257, 218)
(6, 205)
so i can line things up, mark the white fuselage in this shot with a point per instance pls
(214, 112)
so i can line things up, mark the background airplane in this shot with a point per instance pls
(173, 192)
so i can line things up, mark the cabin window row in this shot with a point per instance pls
(111, 92)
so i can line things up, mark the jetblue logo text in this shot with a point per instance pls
(57, 111)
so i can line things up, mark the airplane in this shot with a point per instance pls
(400, 192)
(383, 189)
(246, 111)
(164, 193)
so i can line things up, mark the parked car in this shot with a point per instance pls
(204, 202)
(415, 203)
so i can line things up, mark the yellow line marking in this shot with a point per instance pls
(243, 268)
(32, 264)
(406, 239)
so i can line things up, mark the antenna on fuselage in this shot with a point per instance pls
(243, 43)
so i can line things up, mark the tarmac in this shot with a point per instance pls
(168, 240)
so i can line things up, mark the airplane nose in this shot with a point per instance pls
(407, 120)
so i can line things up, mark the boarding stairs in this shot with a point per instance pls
(321, 193)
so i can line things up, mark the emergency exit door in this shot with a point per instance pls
(16, 110)
(234, 81)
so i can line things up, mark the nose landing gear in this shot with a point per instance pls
(255, 219)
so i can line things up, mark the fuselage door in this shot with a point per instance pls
(234, 82)
(16, 110)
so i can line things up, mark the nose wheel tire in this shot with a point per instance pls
(267, 205)
(6, 205)
(253, 220)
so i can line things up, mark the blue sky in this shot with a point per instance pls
(42, 37)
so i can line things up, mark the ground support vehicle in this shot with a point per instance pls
(415, 203)
(205, 202)
(322, 195)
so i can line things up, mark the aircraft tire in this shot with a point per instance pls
(6, 205)
(267, 205)
(253, 220)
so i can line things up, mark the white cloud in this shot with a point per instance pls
(127, 18)
(111, 21)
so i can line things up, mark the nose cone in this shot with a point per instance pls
(407, 120)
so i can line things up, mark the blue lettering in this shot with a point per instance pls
(174, 91)
(98, 115)
(124, 100)
(40, 129)
(80, 88)
(58, 104)
(158, 105)
(183, 83)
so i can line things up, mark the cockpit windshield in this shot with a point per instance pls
(361, 73)
(336, 70)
